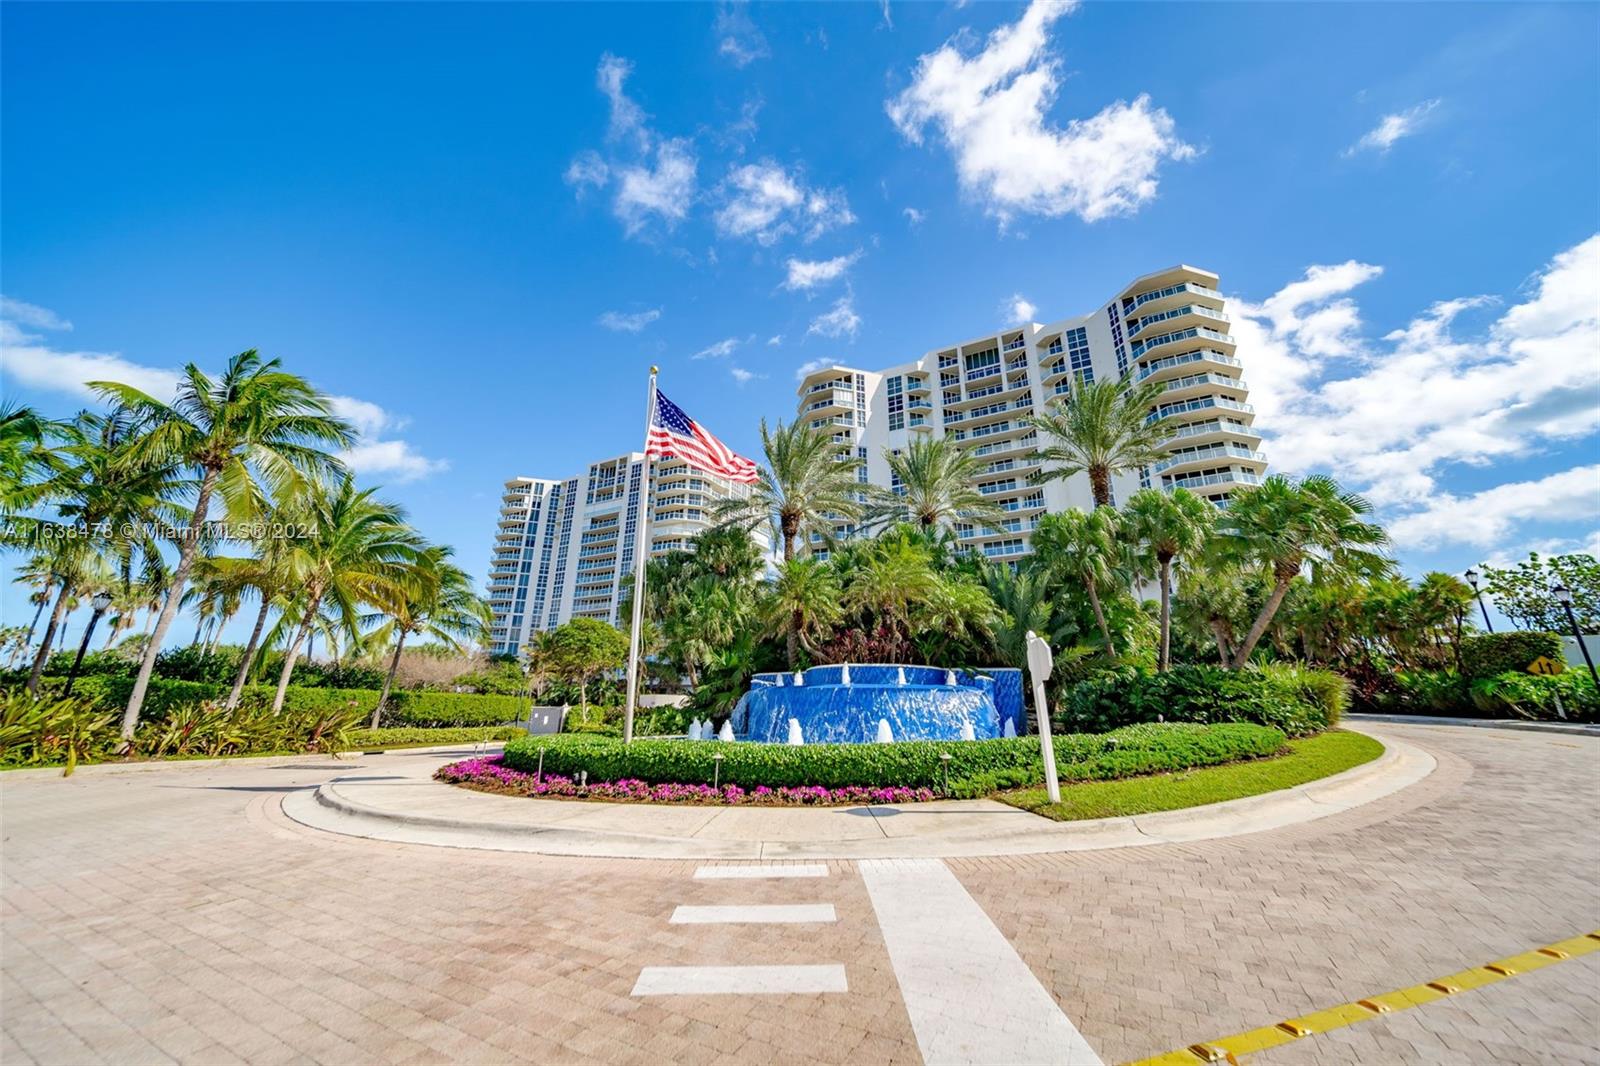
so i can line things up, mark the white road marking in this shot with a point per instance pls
(970, 996)
(739, 980)
(755, 913)
(796, 870)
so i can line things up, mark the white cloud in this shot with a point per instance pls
(665, 190)
(625, 322)
(839, 321)
(764, 201)
(775, 341)
(1391, 417)
(32, 315)
(991, 109)
(810, 367)
(883, 7)
(1017, 308)
(1488, 517)
(1391, 128)
(587, 170)
(627, 117)
(720, 350)
(808, 274)
(913, 216)
(738, 37)
(743, 377)
(27, 361)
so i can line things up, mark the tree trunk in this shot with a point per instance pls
(248, 659)
(791, 641)
(111, 638)
(1100, 485)
(1219, 630)
(583, 696)
(35, 623)
(1268, 609)
(1100, 618)
(43, 657)
(199, 628)
(388, 682)
(791, 529)
(292, 652)
(1164, 660)
(169, 608)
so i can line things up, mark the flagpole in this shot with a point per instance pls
(640, 543)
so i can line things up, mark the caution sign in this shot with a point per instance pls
(1545, 665)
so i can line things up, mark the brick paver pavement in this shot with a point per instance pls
(175, 914)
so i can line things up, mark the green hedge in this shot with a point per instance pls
(374, 739)
(1293, 699)
(1491, 654)
(975, 766)
(419, 709)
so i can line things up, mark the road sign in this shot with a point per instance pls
(1545, 665)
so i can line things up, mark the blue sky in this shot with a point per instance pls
(478, 225)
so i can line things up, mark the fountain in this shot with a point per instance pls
(795, 736)
(725, 734)
(1010, 730)
(885, 734)
(844, 703)
(694, 729)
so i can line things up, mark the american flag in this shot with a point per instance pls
(674, 434)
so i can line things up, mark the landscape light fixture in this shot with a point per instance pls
(101, 604)
(1563, 596)
(1472, 579)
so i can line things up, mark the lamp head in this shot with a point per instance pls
(101, 601)
(1562, 594)
(1472, 577)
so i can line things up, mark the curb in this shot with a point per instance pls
(102, 769)
(330, 808)
(1578, 729)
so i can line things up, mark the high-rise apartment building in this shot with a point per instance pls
(564, 549)
(1168, 327)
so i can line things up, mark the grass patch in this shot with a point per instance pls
(1309, 759)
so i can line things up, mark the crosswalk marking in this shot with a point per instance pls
(739, 980)
(754, 913)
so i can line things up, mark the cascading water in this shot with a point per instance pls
(846, 704)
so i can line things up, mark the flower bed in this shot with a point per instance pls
(490, 774)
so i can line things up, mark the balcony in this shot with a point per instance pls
(918, 386)
(1159, 297)
(1196, 334)
(1174, 410)
(1228, 478)
(1220, 428)
(1173, 317)
(1163, 368)
(1206, 384)
(836, 400)
(1207, 454)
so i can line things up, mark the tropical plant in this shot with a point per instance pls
(1163, 526)
(1283, 526)
(804, 606)
(582, 648)
(934, 486)
(432, 598)
(1102, 428)
(808, 483)
(253, 424)
(1080, 548)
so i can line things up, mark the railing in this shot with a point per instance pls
(1206, 355)
(1211, 451)
(1236, 477)
(1180, 335)
(1198, 405)
(1176, 312)
(1221, 381)
(1216, 425)
(1011, 346)
(1171, 290)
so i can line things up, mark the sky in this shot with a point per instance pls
(477, 226)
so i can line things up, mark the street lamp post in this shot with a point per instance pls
(1472, 579)
(101, 601)
(1563, 596)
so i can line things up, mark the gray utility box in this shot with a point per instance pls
(545, 719)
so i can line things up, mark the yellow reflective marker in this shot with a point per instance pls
(1271, 1036)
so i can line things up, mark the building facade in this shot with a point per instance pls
(1169, 327)
(564, 549)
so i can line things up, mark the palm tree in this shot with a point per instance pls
(255, 422)
(266, 574)
(935, 486)
(808, 482)
(26, 458)
(1211, 597)
(434, 598)
(1164, 526)
(1081, 546)
(1102, 428)
(895, 576)
(803, 606)
(1281, 526)
(358, 550)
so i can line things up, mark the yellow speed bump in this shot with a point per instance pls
(1269, 1036)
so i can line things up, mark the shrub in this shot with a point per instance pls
(375, 739)
(974, 767)
(1296, 700)
(51, 730)
(1519, 694)
(1442, 692)
(1491, 654)
(437, 709)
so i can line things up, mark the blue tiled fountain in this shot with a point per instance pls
(846, 704)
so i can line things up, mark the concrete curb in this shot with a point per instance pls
(1578, 729)
(427, 812)
(103, 769)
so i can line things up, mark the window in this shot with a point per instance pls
(895, 388)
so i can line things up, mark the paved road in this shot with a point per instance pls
(175, 914)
